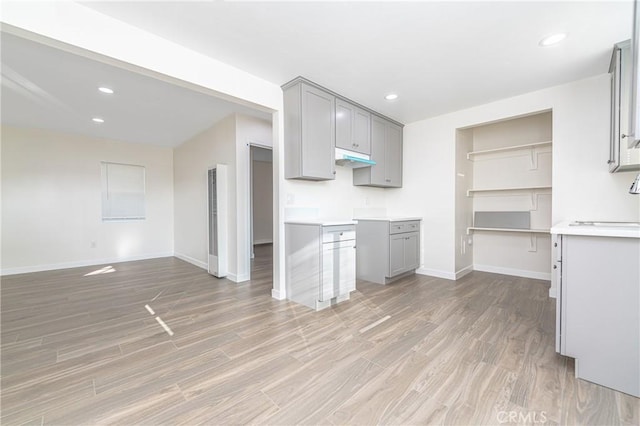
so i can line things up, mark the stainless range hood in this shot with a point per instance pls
(353, 159)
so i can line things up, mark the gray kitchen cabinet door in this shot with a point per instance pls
(345, 117)
(318, 133)
(374, 175)
(396, 254)
(621, 157)
(309, 133)
(338, 269)
(353, 127)
(386, 151)
(393, 156)
(362, 131)
(412, 251)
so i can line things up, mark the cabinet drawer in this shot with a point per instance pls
(332, 234)
(407, 226)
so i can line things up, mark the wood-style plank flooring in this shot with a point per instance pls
(89, 349)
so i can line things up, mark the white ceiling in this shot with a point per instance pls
(47, 88)
(438, 56)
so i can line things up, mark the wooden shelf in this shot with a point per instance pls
(521, 189)
(529, 231)
(508, 148)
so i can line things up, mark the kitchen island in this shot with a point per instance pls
(598, 303)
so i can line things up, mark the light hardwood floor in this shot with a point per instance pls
(86, 349)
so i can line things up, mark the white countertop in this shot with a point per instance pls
(320, 222)
(389, 219)
(598, 229)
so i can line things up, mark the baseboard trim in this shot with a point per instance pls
(79, 264)
(464, 271)
(193, 261)
(276, 294)
(267, 241)
(513, 272)
(238, 278)
(436, 273)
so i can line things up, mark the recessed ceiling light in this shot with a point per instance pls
(106, 90)
(552, 39)
(391, 97)
(98, 120)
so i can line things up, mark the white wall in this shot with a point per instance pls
(223, 143)
(429, 191)
(51, 202)
(191, 161)
(332, 198)
(582, 187)
(71, 26)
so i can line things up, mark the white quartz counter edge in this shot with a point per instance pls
(320, 222)
(389, 219)
(564, 228)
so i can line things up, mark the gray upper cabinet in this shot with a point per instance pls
(353, 127)
(317, 121)
(621, 157)
(309, 133)
(386, 151)
(393, 155)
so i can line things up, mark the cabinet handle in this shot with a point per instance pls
(334, 172)
(387, 180)
(555, 244)
(555, 266)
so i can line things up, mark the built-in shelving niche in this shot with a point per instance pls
(505, 167)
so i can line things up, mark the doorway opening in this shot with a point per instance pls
(261, 210)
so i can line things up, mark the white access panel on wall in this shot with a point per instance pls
(217, 220)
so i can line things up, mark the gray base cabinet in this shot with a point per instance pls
(386, 151)
(387, 249)
(309, 133)
(598, 309)
(320, 263)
